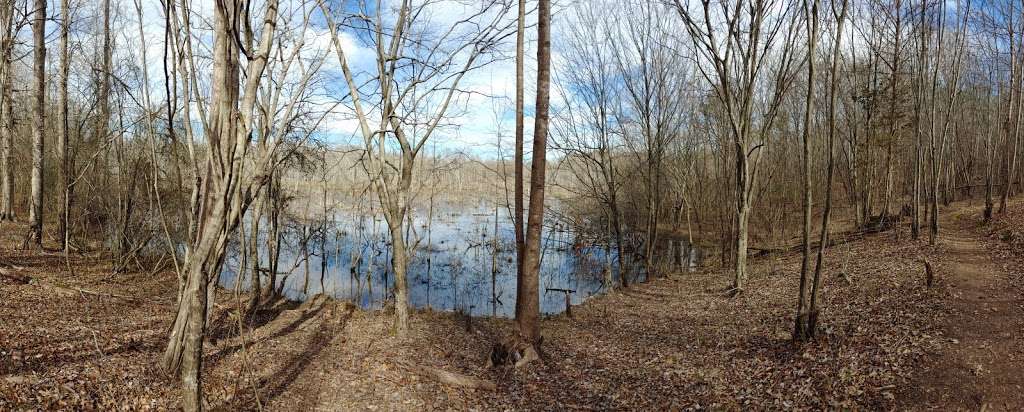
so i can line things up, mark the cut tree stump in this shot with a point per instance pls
(568, 299)
(929, 273)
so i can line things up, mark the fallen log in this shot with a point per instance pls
(454, 379)
(14, 277)
(59, 290)
(835, 239)
(73, 290)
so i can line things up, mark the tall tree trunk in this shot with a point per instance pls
(517, 215)
(38, 122)
(933, 188)
(1008, 127)
(811, 15)
(102, 130)
(6, 112)
(221, 204)
(742, 216)
(1013, 145)
(62, 141)
(812, 312)
(989, 158)
(918, 171)
(528, 313)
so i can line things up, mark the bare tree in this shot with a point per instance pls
(811, 316)
(952, 96)
(517, 213)
(231, 174)
(810, 9)
(7, 37)
(655, 80)
(584, 129)
(62, 141)
(528, 314)
(38, 122)
(739, 39)
(417, 77)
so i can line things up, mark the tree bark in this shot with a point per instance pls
(6, 112)
(528, 313)
(38, 123)
(811, 15)
(812, 312)
(400, 265)
(223, 195)
(517, 216)
(63, 141)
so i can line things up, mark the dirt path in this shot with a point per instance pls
(981, 366)
(887, 343)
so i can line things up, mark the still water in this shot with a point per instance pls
(450, 270)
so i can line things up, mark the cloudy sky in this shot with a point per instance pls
(479, 116)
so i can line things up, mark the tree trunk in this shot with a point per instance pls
(274, 234)
(742, 217)
(653, 204)
(1008, 127)
(517, 216)
(812, 312)
(221, 205)
(254, 236)
(62, 141)
(989, 159)
(38, 123)
(528, 313)
(6, 112)
(400, 264)
(184, 350)
(615, 214)
(811, 15)
(494, 265)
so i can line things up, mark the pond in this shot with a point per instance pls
(464, 261)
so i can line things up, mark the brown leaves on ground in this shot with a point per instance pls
(674, 343)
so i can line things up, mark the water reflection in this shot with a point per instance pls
(462, 263)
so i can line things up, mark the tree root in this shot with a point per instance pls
(452, 378)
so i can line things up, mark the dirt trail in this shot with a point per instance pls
(981, 367)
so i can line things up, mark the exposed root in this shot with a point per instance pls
(452, 378)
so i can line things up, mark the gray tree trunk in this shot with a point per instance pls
(38, 122)
(6, 113)
(63, 141)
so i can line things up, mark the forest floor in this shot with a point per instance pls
(87, 339)
(983, 367)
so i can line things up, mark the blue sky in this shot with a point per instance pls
(478, 118)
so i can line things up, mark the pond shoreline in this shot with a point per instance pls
(674, 342)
